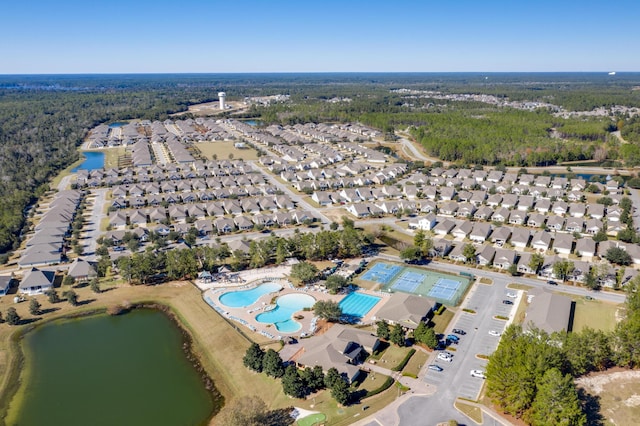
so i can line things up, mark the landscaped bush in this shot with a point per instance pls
(404, 362)
(386, 385)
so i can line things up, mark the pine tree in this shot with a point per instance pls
(292, 383)
(272, 364)
(557, 401)
(397, 336)
(253, 357)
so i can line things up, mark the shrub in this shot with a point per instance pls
(404, 362)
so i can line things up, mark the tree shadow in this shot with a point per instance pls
(279, 417)
(85, 302)
(25, 321)
(591, 407)
(48, 310)
(81, 284)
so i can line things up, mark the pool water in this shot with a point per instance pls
(358, 304)
(287, 305)
(242, 298)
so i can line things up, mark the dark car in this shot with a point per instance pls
(551, 282)
(507, 302)
(458, 331)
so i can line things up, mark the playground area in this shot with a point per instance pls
(444, 288)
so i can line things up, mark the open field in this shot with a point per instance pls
(111, 156)
(223, 149)
(595, 314)
(617, 393)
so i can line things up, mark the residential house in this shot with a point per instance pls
(574, 225)
(520, 237)
(425, 223)
(81, 270)
(486, 255)
(577, 210)
(35, 281)
(500, 235)
(563, 244)
(536, 220)
(480, 232)
(444, 227)
(517, 217)
(541, 241)
(483, 213)
(504, 258)
(585, 248)
(523, 263)
(555, 223)
(462, 230)
(5, 284)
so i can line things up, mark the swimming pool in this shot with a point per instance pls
(287, 305)
(358, 304)
(242, 298)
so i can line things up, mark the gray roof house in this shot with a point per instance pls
(82, 270)
(405, 309)
(340, 347)
(35, 281)
(5, 284)
(549, 312)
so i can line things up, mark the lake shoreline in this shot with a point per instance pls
(13, 381)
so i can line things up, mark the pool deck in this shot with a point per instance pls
(247, 315)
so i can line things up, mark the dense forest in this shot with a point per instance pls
(43, 119)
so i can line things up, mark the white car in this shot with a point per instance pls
(512, 295)
(478, 373)
(444, 357)
(494, 333)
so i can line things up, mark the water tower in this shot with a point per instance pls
(222, 97)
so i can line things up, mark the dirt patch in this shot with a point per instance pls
(596, 382)
(322, 326)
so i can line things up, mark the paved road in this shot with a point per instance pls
(91, 230)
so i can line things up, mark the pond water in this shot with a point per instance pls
(92, 161)
(110, 370)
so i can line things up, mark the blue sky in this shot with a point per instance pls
(143, 36)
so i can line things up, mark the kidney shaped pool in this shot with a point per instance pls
(287, 305)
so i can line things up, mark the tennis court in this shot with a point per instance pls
(444, 288)
(382, 272)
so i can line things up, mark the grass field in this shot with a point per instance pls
(595, 314)
(416, 362)
(440, 322)
(222, 149)
(111, 156)
(393, 356)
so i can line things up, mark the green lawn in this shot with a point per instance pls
(313, 419)
(393, 356)
(416, 362)
(441, 322)
(595, 314)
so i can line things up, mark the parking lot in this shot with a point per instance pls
(487, 301)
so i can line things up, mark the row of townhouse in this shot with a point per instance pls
(256, 181)
(197, 168)
(184, 197)
(46, 245)
(191, 180)
(520, 238)
(441, 176)
(220, 225)
(503, 259)
(180, 213)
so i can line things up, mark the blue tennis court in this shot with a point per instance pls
(382, 273)
(408, 282)
(444, 289)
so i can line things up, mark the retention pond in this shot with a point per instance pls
(110, 370)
